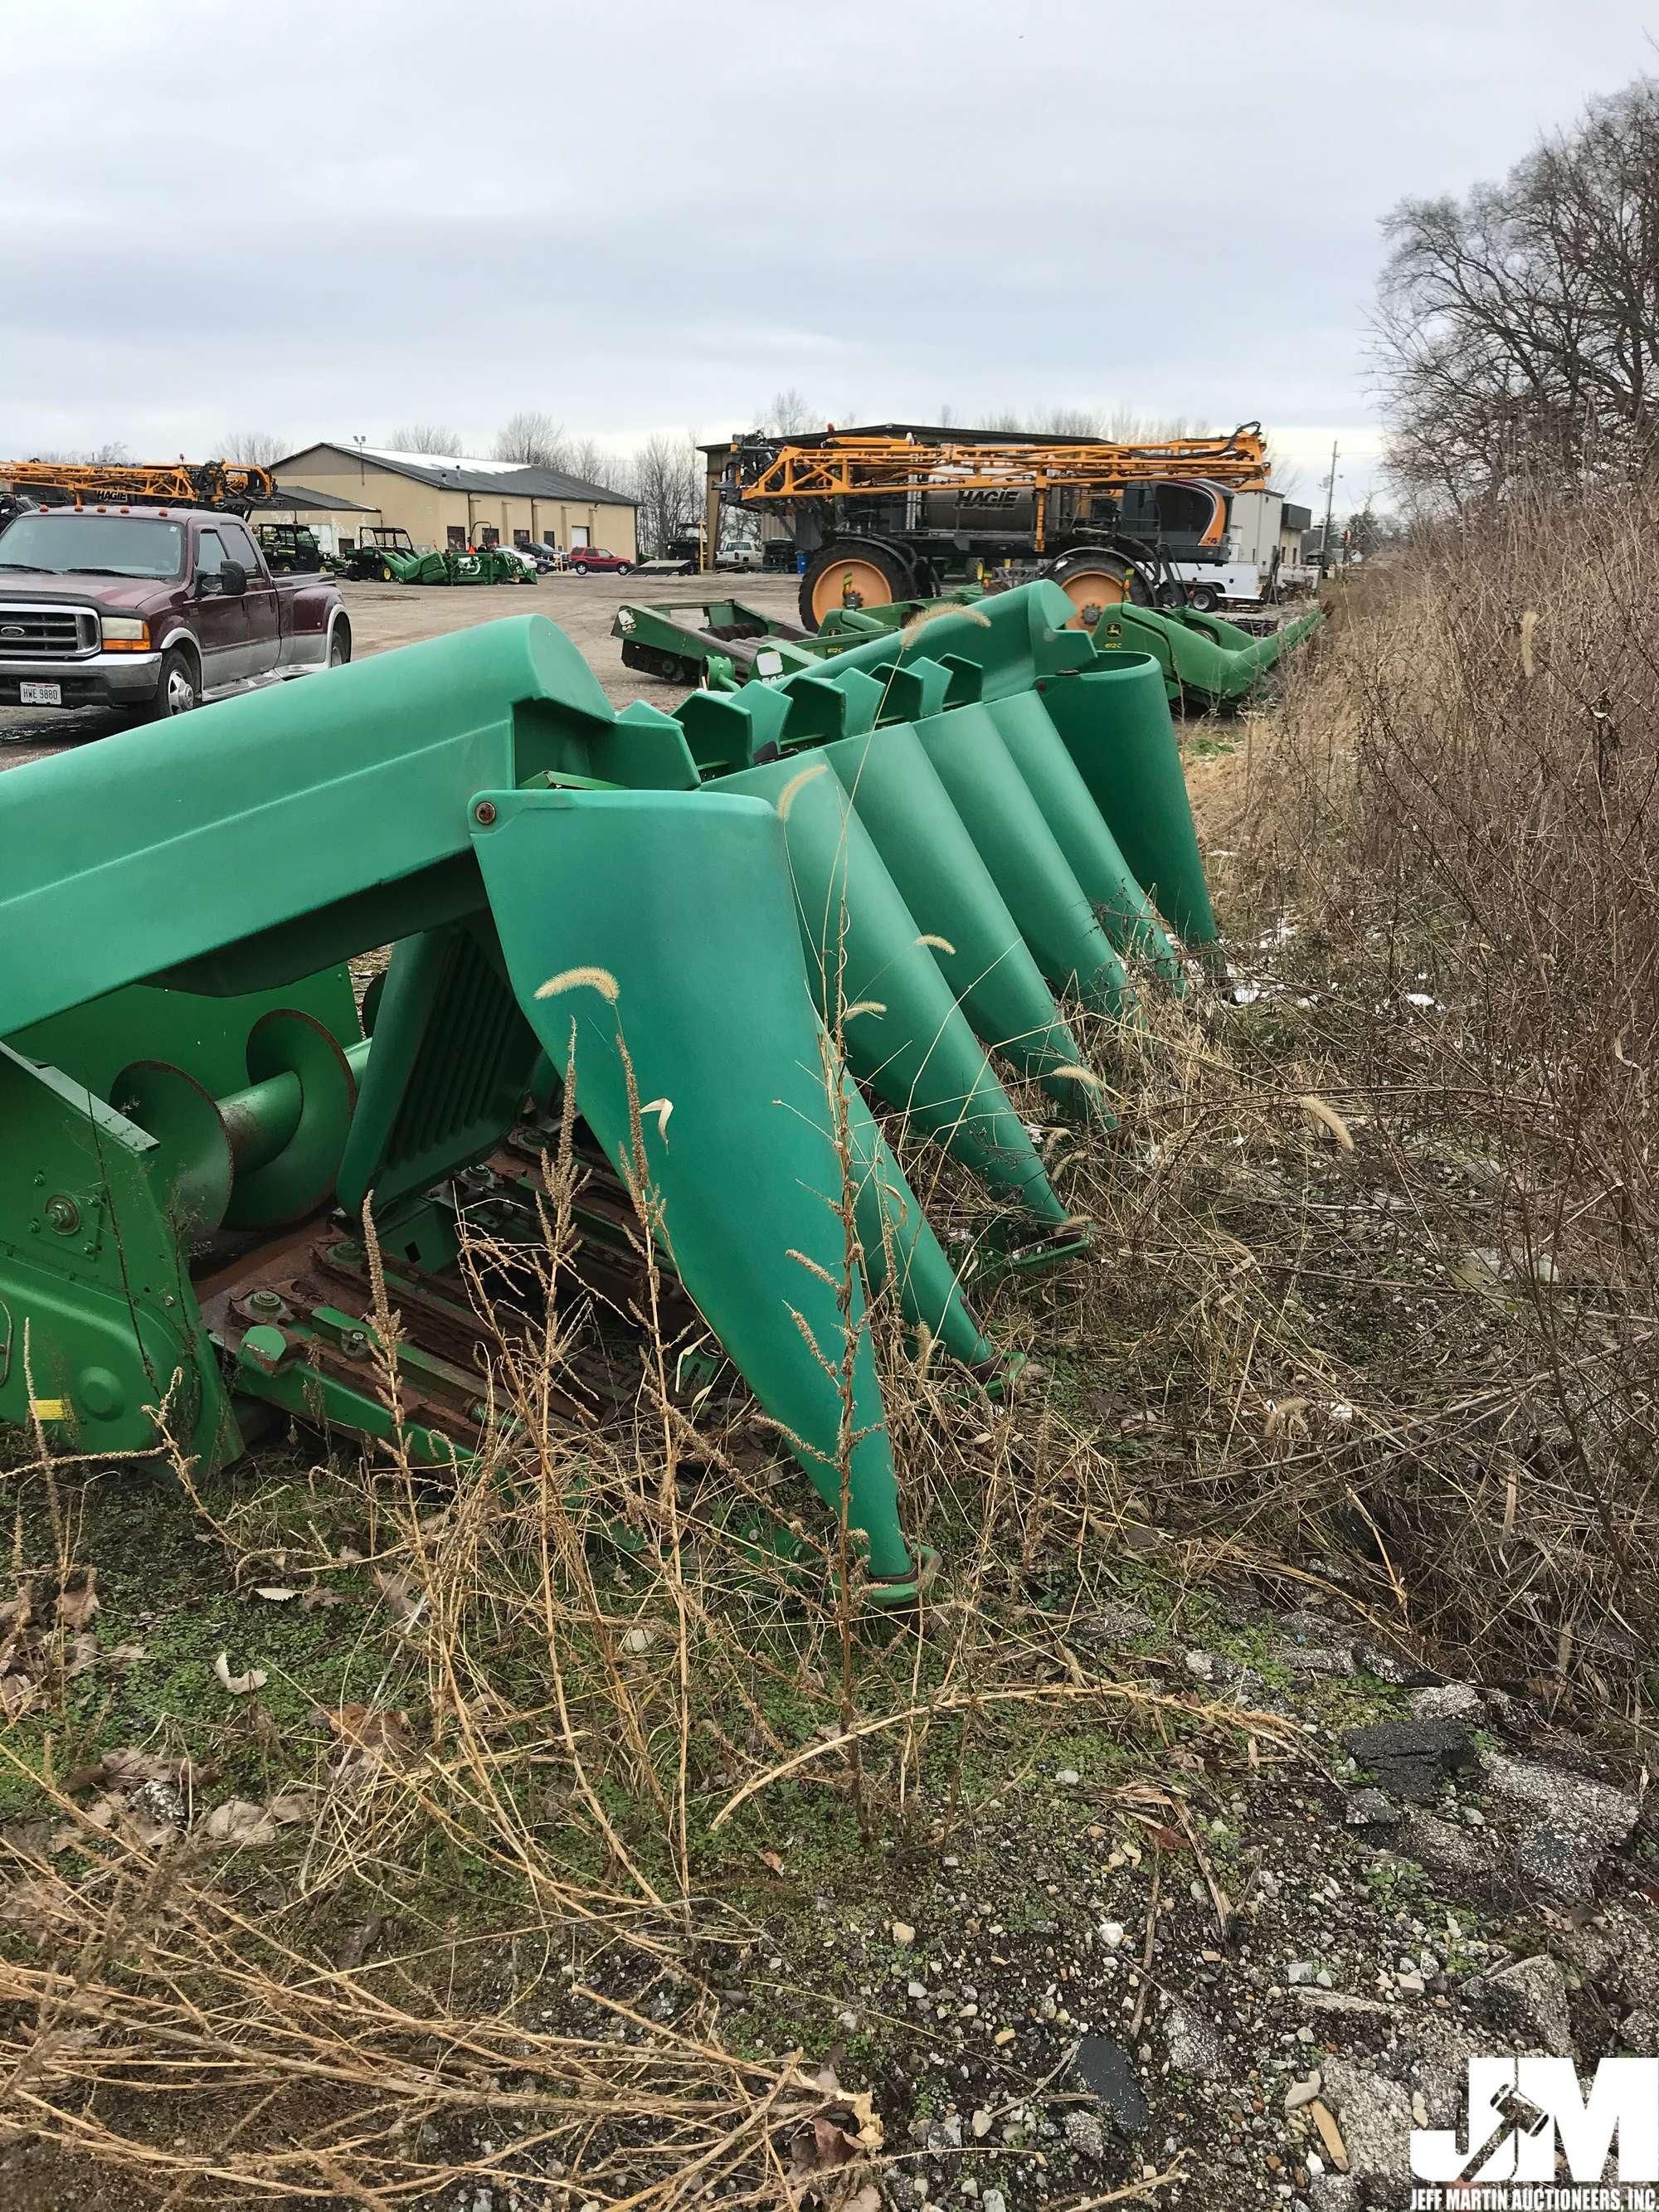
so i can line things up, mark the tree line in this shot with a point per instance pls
(1516, 332)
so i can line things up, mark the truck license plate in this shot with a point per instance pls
(40, 695)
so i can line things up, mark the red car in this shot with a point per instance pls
(584, 557)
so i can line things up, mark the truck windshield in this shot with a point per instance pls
(94, 545)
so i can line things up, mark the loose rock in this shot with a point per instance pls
(1193, 2045)
(1340, 2000)
(1562, 1865)
(1370, 1808)
(1528, 2001)
(1411, 1758)
(1105, 2068)
(1375, 2119)
(1085, 2135)
(1565, 1802)
(1451, 1701)
(1464, 1864)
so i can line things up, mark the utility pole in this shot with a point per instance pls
(1325, 535)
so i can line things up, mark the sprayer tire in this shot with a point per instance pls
(878, 576)
(1095, 578)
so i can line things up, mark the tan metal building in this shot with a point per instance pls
(335, 521)
(443, 500)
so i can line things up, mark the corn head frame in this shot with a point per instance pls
(718, 937)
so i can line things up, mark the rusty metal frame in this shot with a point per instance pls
(854, 467)
(184, 483)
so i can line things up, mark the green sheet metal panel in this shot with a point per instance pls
(660, 982)
(1115, 722)
(908, 1039)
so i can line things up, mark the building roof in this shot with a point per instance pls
(924, 433)
(294, 499)
(460, 472)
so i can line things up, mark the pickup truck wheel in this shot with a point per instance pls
(339, 647)
(178, 689)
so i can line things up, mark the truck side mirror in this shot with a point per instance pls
(233, 580)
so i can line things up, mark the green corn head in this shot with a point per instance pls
(915, 849)
(1207, 662)
(486, 564)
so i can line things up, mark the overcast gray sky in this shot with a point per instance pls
(321, 219)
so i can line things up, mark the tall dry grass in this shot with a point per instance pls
(496, 1944)
(1369, 1315)
(1456, 810)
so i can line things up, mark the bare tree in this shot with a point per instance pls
(1517, 330)
(534, 438)
(261, 447)
(591, 462)
(788, 413)
(425, 438)
(1069, 423)
(666, 478)
(1366, 531)
(1126, 426)
(114, 454)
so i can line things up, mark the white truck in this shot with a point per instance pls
(1209, 583)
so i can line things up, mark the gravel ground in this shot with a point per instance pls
(388, 615)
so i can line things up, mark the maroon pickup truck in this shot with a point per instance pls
(153, 610)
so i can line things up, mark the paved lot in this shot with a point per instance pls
(388, 615)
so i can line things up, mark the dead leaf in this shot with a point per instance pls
(318, 1599)
(127, 1768)
(772, 1860)
(276, 1592)
(76, 1606)
(240, 1685)
(27, 1840)
(124, 1654)
(405, 1602)
(82, 1653)
(376, 1725)
(239, 1820)
(1327, 1120)
(1286, 1417)
(39, 1906)
(354, 1944)
(821, 2147)
(827, 2155)
(289, 1805)
(1329, 2134)
(17, 1694)
(369, 1737)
